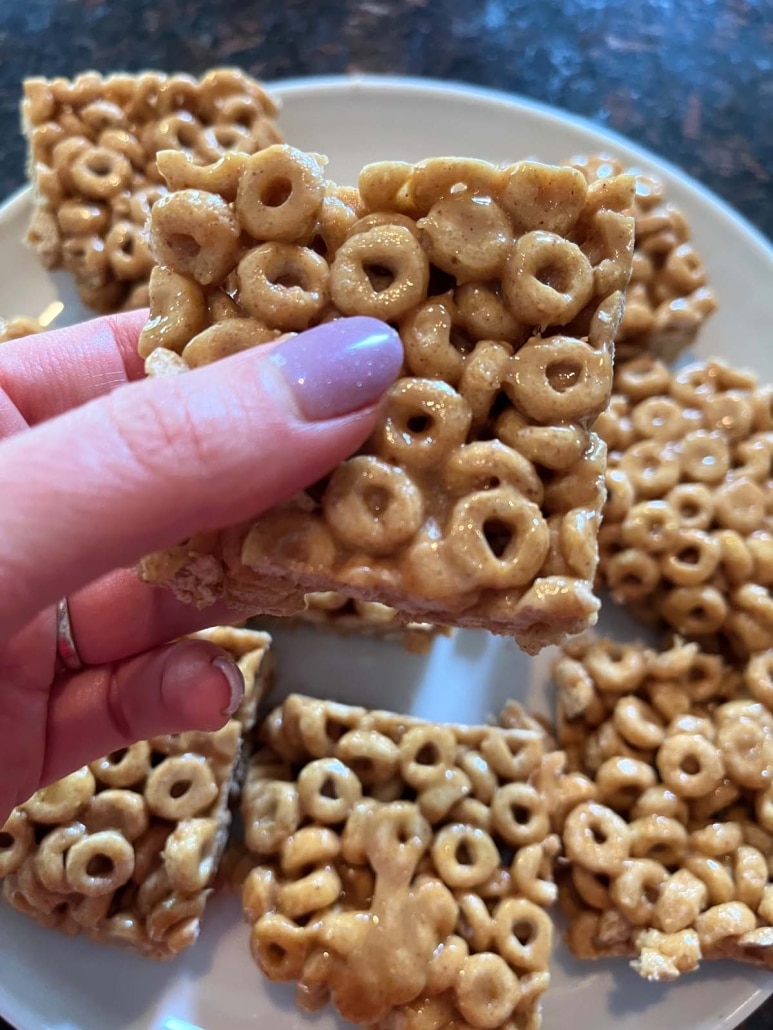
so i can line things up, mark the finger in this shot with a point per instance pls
(192, 685)
(155, 462)
(119, 616)
(48, 374)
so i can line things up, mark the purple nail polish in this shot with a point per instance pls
(339, 367)
(232, 674)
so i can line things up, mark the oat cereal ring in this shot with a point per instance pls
(123, 768)
(178, 312)
(729, 920)
(122, 810)
(593, 888)
(597, 838)
(547, 280)
(545, 197)
(661, 418)
(486, 991)
(689, 765)
(622, 781)
(399, 838)
(740, 505)
(758, 677)
(694, 611)
(487, 464)
(498, 537)
(180, 787)
(483, 375)
(372, 506)
(481, 312)
(99, 173)
(425, 420)
(61, 801)
(638, 723)
(660, 837)
(427, 754)
(464, 856)
(195, 234)
(17, 840)
(631, 890)
(717, 839)
(225, 338)
(650, 526)
(659, 800)
(437, 176)
(620, 498)
(274, 814)
(280, 194)
(746, 747)
(693, 505)
(559, 379)
(523, 934)
(309, 847)
(643, 377)
(381, 186)
(426, 332)
(318, 889)
(279, 947)
(128, 251)
(615, 668)
(180, 172)
(652, 468)
(372, 756)
(704, 456)
(99, 863)
(383, 273)
(518, 814)
(328, 790)
(283, 285)
(467, 236)
(694, 558)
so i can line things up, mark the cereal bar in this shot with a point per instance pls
(404, 866)
(331, 610)
(18, 327)
(125, 850)
(688, 523)
(670, 848)
(668, 298)
(92, 149)
(476, 502)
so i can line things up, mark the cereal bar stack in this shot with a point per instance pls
(671, 851)
(404, 866)
(126, 849)
(688, 524)
(476, 502)
(92, 150)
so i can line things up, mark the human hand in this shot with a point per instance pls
(97, 469)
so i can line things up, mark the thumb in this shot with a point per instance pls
(157, 461)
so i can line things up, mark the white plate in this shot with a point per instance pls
(50, 982)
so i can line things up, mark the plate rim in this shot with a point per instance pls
(15, 1010)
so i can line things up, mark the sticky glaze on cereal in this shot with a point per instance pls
(125, 850)
(688, 525)
(404, 866)
(476, 502)
(670, 843)
(331, 610)
(668, 299)
(92, 148)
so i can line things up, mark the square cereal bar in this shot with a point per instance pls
(405, 866)
(668, 298)
(476, 502)
(670, 852)
(125, 850)
(92, 145)
(687, 536)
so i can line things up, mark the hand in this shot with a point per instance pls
(97, 469)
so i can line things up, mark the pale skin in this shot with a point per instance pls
(99, 467)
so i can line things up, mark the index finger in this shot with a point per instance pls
(49, 374)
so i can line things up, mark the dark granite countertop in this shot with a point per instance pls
(690, 79)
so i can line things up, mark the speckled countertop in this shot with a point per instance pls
(690, 79)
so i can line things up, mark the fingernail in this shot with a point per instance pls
(339, 367)
(233, 677)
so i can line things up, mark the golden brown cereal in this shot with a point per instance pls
(126, 849)
(476, 501)
(19, 327)
(673, 863)
(92, 145)
(688, 532)
(390, 907)
(668, 298)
